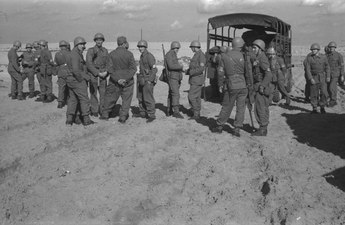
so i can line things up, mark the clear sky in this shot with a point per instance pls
(161, 20)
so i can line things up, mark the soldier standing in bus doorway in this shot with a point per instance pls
(336, 63)
(96, 61)
(318, 73)
(212, 72)
(122, 69)
(15, 71)
(28, 63)
(146, 79)
(236, 68)
(262, 77)
(196, 78)
(279, 73)
(175, 70)
(61, 58)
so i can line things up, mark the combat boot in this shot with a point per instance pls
(104, 116)
(20, 97)
(260, 132)
(288, 101)
(31, 95)
(150, 119)
(60, 105)
(322, 110)
(87, 121)
(77, 120)
(237, 132)
(49, 99)
(14, 97)
(69, 120)
(177, 115)
(217, 129)
(139, 115)
(41, 98)
(314, 111)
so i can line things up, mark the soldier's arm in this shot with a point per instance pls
(89, 63)
(78, 74)
(265, 66)
(341, 62)
(220, 73)
(308, 69)
(12, 58)
(248, 72)
(153, 68)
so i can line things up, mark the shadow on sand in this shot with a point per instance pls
(336, 178)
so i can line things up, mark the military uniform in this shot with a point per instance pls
(317, 68)
(122, 66)
(174, 80)
(237, 71)
(61, 59)
(336, 63)
(307, 82)
(211, 65)
(146, 81)
(279, 70)
(15, 72)
(96, 62)
(76, 83)
(45, 73)
(262, 78)
(28, 63)
(196, 80)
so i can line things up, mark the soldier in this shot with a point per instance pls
(15, 71)
(96, 62)
(318, 73)
(146, 79)
(45, 63)
(61, 58)
(336, 63)
(122, 68)
(307, 82)
(236, 68)
(28, 64)
(262, 77)
(212, 71)
(77, 86)
(279, 72)
(37, 52)
(196, 78)
(175, 70)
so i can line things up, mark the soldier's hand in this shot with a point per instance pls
(312, 81)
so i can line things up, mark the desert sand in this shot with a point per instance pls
(171, 171)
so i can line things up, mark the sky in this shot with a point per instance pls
(312, 21)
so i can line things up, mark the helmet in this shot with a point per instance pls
(195, 44)
(315, 46)
(175, 44)
(63, 43)
(79, 40)
(28, 45)
(237, 42)
(260, 43)
(17, 44)
(42, 42)
(35, 44)
(271, 51)
(223, 49)
(142, 43)
(98, 36)
(332, 44)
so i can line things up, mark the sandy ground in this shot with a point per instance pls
(171, 171)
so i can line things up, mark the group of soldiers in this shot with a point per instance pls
(245, 75)
(322, 73)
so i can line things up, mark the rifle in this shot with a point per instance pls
(165, 78)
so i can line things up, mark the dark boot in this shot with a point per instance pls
(77, 120)
(177, 115)
(139, 115)
(150, 119)
(60, 105)
(69, 120)
(217, 129)
(14, 96)
(196, 116)
(94, 114)
(322, 110)
(260, 132)
(237, 132)
(314, 111)
(104, 116)
(41, 98)
(49, 99)
(31, 95)
(87, 121)
(20, 97)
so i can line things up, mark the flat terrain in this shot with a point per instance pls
(171, 171)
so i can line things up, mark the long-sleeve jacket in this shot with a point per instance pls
(236, 69)
(77, 65)
(96, 60)
(13, 61)
(61, 58)
(197, 68)
(122, 65)
(174, 68)
(278, 68)
(336, 63)
(45, 61)
(147, 66)
(28, 59)
(317, 68)
(261, 70)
